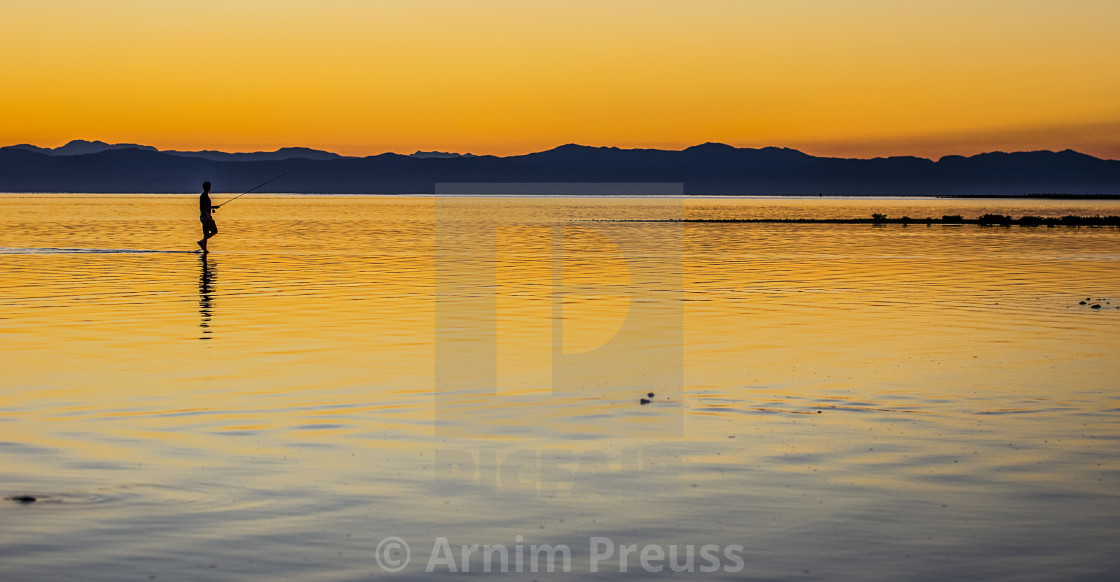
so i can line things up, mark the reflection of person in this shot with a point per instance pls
(205, 295)
(205, 214)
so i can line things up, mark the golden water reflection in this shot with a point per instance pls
(855, 401)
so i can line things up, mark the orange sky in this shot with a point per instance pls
(847, 78)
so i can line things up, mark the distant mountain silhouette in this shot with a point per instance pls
(709, 168)
(81, 147)
(423, 154)
(280, 154)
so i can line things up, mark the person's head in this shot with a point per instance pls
(206, 186)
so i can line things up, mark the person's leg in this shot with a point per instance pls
(202, 243)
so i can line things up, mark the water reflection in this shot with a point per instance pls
(859, 403)
(206, 278)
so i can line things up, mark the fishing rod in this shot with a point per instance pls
(262, 185)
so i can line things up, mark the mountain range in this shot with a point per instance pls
(711, 168)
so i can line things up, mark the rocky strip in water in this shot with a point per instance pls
(880, 219)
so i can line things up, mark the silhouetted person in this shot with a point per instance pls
(205, 214)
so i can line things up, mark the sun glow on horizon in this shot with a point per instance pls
(857, 78)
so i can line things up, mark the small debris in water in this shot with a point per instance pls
(23, 498)
(644, 401)
(1095, 306)
(650, 394)
(1082, 303)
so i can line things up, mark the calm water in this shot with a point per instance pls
(831, 401)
